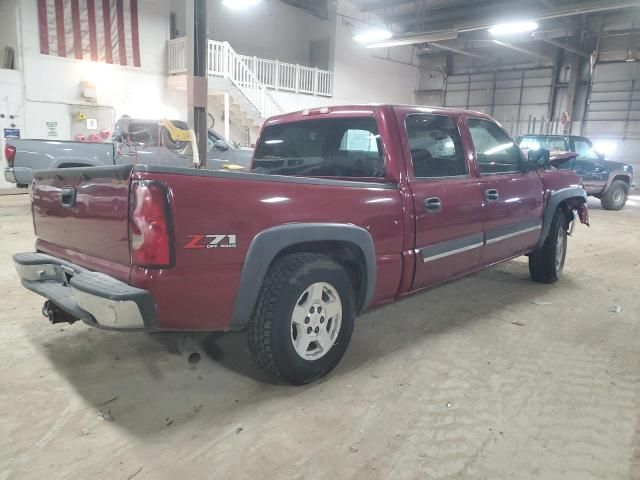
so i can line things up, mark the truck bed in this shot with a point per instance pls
(32, 155)
(206, 205)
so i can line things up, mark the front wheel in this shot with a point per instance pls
(303, 319)
(547, 262)
(615, 197)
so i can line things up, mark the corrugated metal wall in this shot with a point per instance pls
(613, 110)
(512, 97)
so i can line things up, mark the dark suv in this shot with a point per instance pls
(606, 180)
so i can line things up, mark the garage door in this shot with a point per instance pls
(614, 103)
(512, 97)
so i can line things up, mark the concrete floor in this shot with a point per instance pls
(492, 377)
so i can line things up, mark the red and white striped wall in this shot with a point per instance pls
(97, 30)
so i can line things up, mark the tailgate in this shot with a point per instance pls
(82, 213)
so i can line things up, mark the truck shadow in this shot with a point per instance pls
(157, 388)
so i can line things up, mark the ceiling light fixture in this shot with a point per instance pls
(240, 4)
(513, 27)
(373, 35)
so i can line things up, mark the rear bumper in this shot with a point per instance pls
(93, 297)
(9, 175)
(19, 175)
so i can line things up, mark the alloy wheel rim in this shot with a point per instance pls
(316, 321)
(560, 248)
(617, 196)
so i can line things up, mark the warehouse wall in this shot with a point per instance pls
(275, 30)
(51, 97)
(613, 110)
(11, 110)
(370, 75)
(270, 29)
(9, 26)
(517, 88)
(125, 90)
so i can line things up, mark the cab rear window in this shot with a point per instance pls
(339, 147)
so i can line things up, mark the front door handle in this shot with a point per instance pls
(491, 195)
(433, 204)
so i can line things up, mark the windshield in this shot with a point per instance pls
(340, 147)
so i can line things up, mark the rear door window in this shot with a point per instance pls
(436, 147)
(339, 147)
(145, 134)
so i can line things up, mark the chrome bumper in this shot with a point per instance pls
(9, 175)
(93, 297)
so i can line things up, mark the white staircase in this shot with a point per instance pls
(250, 80)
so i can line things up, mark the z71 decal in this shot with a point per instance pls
(211, 241)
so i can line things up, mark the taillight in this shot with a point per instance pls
(150, 232)
(10, 154)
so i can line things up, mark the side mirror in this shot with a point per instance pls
(220, 145)
(538, 158)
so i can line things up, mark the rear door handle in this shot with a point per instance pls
(491, 195)
(433, 204)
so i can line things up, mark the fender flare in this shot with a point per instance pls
(555, 200)
(619, 172)
(267, 244)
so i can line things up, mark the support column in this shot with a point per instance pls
(227, 115)
(197, 88)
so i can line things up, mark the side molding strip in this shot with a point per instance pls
(514, 234)
(512, 230)
(451, 247)
(469, 242)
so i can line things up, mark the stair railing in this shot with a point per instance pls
(225, 62)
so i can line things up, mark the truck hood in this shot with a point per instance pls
(611, 165)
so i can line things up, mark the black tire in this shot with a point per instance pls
(615, 197)
(546, 263)
(270, 329)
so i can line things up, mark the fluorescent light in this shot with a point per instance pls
(513, 27)
(273, 142)
(373, 35)
(240, 4)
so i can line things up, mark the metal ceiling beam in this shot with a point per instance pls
(561, 45)
(415, 39)
(459, 51)
(382, 4)
(486, 15)
(522, 50)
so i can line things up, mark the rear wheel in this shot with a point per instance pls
(615, 197)
(304, 318)
(546, 263)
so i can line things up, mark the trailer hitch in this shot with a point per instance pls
(55, 314)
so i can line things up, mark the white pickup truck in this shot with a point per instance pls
(134, 141)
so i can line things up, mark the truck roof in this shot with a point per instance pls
(556, 135)
(365, 109)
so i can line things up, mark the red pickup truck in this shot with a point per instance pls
(345, 208)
